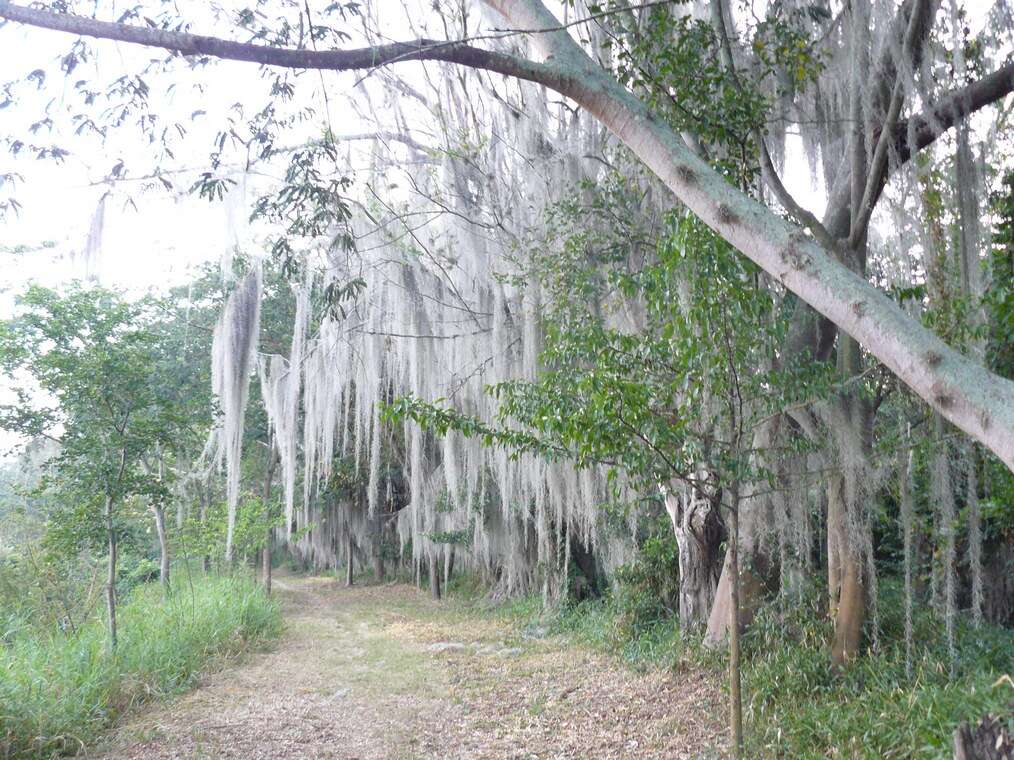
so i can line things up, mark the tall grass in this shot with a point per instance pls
(59, 691)
(800, 707)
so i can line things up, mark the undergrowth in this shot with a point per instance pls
(59, 691)
(796, 704)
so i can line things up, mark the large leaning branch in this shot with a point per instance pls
(964, 392)
(183, 43)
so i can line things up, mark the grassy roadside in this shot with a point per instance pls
(58, 692)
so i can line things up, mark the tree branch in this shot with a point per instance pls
(768, 170)
(919, 131)
(451, 51)
(920, 19)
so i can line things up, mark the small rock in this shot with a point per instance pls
(447, 646)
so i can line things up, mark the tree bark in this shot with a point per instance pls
(163, 545)
(735, 695)
(434, 577)
(698, 534)
(989, 740)
(962, 390)
(846, 597)
(349, 557)
(846, 594)
(111, 573)
(851, 612)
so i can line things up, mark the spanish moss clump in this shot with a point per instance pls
(943, 494)
(233, 360)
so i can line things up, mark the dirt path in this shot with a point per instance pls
(383, 672)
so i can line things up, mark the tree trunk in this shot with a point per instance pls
(751, 592)
(448, 566)
(266, 563)
(851, 612)
(111, 573)
(837, 541)
(378, 550)
(349, 552)
(989, 740)
(206, 496)
(998, 583)
(851, 422)
(698, 535)
(434, 576)
(163, 545)
(846, 596)
(735, 695)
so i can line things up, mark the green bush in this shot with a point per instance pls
(647, 590)
(58, 692)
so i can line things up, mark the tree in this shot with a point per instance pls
(85, 366)
(818, 269)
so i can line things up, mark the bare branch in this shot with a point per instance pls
(451, 51)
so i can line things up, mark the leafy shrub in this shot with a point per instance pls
(647, 590)
(58, 692)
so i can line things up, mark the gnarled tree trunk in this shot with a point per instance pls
(697, 527)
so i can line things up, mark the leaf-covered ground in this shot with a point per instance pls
(383, 672)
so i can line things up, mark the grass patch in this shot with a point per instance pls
(58, 692)
(799, 707)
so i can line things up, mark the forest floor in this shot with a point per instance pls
(382, 671)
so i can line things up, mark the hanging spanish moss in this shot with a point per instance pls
(905, 454)
(943, 494)
(234, 352)
(281, 383)
(974, 532)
